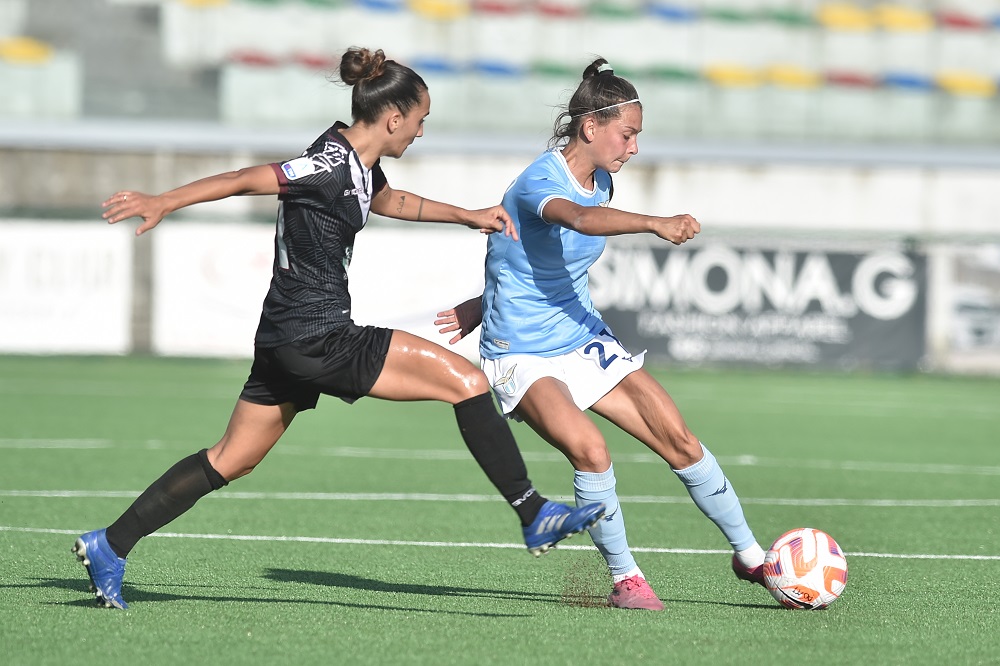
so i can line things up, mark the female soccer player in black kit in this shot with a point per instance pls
(306, 342)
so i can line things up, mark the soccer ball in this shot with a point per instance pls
(806, 569)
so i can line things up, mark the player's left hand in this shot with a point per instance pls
(491, 220)
(463, 318)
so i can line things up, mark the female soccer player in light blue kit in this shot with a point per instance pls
(547, 352)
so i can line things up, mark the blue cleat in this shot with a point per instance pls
(557, 521)
(104, 568)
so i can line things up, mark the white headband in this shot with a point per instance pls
(605, 108)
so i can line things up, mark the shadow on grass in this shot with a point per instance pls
(333, 579)
(141, 595)
(731, 604)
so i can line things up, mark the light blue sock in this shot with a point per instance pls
(710, 490)
(609, 532)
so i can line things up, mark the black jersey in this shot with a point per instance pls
(324, 201)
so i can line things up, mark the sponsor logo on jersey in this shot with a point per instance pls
(298, 168)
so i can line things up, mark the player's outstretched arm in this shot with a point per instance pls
(153, 208)
(403, 205)
(463, 318)
(601, 221)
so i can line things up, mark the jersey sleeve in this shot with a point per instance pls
(537, 187)
(316, 175)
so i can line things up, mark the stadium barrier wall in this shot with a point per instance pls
(195, 289)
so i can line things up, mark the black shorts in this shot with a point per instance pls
(344, 363)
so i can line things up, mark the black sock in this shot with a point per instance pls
(167, 498)
(492, 445)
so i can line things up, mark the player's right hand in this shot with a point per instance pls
(123, 205)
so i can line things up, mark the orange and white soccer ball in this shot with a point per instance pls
(805, 568)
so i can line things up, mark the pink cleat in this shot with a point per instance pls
(634, 592)
(755, 575)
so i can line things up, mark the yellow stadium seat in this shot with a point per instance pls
(967, 84)
(899, 17)
(204, 3)
(443, 10)
(844, 16)
(732, 76)
(792, 76)
(25, 50)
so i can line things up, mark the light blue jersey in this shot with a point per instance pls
(537, 299)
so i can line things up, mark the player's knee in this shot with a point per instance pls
(684, 449)
(472, 382)
(228, 466)
(591, 456)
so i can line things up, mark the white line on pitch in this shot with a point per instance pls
(55, 444)
(461, 455)
(472, 544)
(433, 497)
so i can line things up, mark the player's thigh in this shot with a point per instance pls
(253, 429)
(417, 369)
(548, 407)
(640, 406)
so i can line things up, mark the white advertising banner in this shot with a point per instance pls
(65, 288)
(210, 281)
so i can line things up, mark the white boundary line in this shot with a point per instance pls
(470, 544)
(461, 455)
(433, 497)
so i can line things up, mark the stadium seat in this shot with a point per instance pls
(674, 31)
(969, 110)
(448, 87)
(789, 102)
(672, 99)
(850, 51)
(845, 17)
(967, 49)
(616, 29)
(732, 103)
(268, 26)
(252, 91)
(496, 98)
(550, 87)
(906, 108)
(848, 108)
(13, 17)
(190, 32)
(39, 81)
(441, 10)
(438, 30)
(562, 23)
(311, 98)
(730, 38)
(905, 40)
(501, 32)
